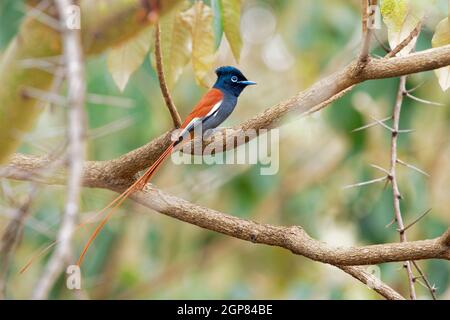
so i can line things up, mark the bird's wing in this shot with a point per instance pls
(207, 105)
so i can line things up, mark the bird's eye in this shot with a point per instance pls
(234, 79)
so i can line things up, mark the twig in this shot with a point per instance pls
(12, 236)
(372, 282)
(162, 81)
(431, 288)
(414, 33)
(76, 97)
(393, 174)
(367, 32)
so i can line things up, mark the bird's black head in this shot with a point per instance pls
(231, 80)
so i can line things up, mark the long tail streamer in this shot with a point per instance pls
(110, 208)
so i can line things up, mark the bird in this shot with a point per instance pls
(214, 108)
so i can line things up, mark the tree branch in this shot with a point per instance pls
(293, 238)
(373, 282)
(367, 31)
(127, 165)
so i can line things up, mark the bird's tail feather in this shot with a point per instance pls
(136, 186)
(113, 205)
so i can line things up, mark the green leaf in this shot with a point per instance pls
(126, 58)
(216, 6)
(198, 19)
(441, 38)
(231, 14)
(401, 17)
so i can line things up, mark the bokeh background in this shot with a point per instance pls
(288, 45)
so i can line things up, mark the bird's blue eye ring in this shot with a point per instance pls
(234, 79)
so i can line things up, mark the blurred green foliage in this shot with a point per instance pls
(142, 254)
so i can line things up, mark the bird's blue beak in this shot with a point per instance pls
(247, 82)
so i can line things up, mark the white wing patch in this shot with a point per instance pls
(189, 126)
(214, 109)
(194, 121)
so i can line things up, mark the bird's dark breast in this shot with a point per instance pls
(226, 108)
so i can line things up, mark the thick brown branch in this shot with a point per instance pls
(120, 170)
(293, 238)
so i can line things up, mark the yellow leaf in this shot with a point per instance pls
(441, 38)
(394, 13)
(231, 17)
(199, 21)
(175, 46)
(126, 58)
(401, 17)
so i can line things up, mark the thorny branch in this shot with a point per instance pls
(393, 179)
(76, 96)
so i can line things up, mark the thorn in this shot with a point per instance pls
(424, 101)
(394, 132)
(46, 96)
(416, 87)
(383, 170)
(390, 223)
(417, 220)
(381, 43)
(406, 131)
(39, 14)
(381, 123)
(110, 128)
(110, 101)
(389, 179)
(412, 167)
(360, 184)
(372, 124)
(51, 65)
